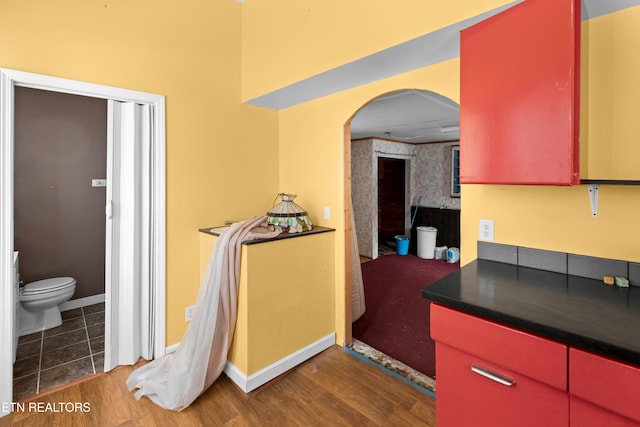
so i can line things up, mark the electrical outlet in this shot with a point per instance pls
(188, 313)
(486, 230)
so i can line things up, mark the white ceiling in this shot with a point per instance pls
(409, 116)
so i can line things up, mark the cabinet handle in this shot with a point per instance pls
(494, 376)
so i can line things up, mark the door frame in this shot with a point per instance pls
(9, 79)
(409, 160)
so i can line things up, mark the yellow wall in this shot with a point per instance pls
(285, 41)
(612, 89)
(290, 298)
(555, 218)
(285, 298)
(227, 161)
(222, 157)
(312, 151)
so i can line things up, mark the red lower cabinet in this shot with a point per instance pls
(586, 414)
(604, 392)
(488, 374)
(475, 392)
(491, 375)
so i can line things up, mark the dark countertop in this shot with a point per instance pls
(215, 231)
(583, 313)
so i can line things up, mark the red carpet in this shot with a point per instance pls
(396, 321)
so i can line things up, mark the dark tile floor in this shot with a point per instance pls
(57, 356)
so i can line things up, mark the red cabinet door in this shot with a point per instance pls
(466, 394)
(603, 389)
(488, 374)
(519, 96)
(585, 414)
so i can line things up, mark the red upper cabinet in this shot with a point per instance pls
(519, 96)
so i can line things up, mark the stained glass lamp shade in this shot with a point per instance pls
(288, 217)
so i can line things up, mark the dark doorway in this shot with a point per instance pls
(391, 199)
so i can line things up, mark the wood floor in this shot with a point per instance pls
(334, 388)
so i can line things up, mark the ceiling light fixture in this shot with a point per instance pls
(450, 129)
(388, 135)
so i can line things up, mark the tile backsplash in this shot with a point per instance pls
(560, 262)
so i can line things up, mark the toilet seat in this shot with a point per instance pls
(47, 285)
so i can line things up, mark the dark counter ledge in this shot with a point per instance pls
(315, 230)
(583, 313)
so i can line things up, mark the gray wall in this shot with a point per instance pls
(60, 146)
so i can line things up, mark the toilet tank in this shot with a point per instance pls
(16, 302)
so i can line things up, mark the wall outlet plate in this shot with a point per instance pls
(486, 230)
(188, 313)
(327, 213)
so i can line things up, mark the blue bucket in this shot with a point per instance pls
(402, 245)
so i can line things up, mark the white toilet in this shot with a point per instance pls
(40, 303)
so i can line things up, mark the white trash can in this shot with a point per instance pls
(426, 242)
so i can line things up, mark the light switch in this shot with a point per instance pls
(98, 182)
(327, 213)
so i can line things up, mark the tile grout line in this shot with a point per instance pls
(39, 371)
(65, 332)
(86, 331)
(65, 363)
(40, 362)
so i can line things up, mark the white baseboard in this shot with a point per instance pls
(171, 348)
(253, 381)
(82, 302)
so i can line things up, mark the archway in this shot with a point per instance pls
(403, 124)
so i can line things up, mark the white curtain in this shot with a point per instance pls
(177, 379)
(357, 285)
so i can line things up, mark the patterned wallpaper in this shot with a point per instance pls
(364, 195)
(429, 176)
(432, 179)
